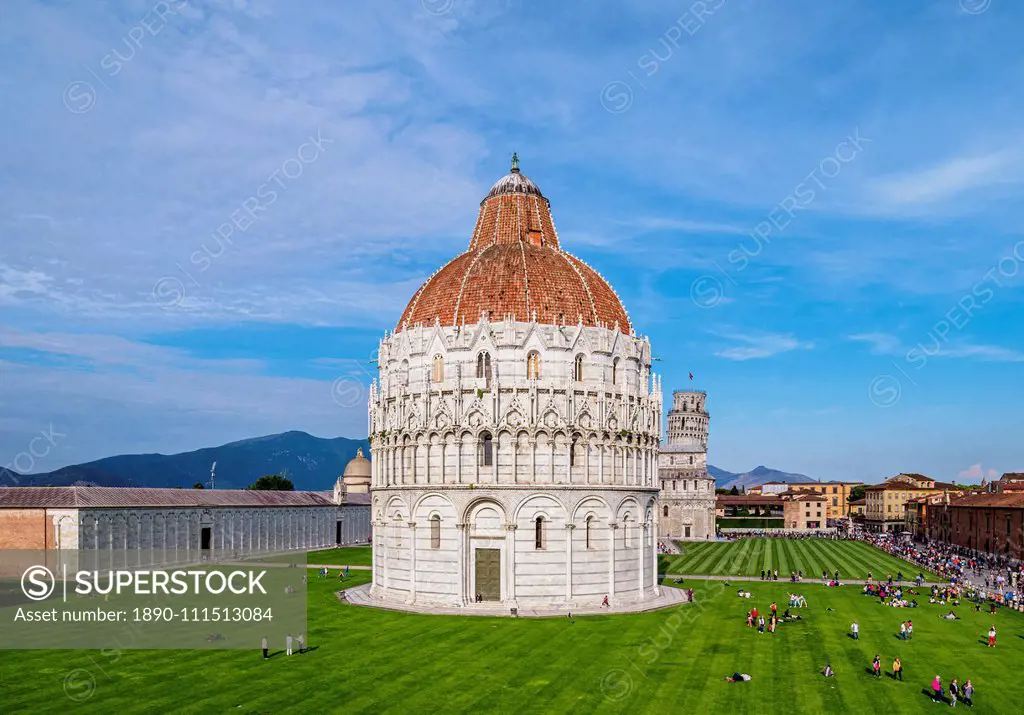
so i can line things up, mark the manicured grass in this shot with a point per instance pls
(372, 661)
(344, 556)
(746, 557)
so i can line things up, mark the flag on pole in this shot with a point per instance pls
(691, 375)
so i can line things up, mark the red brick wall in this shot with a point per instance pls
(982, 528)
(24, 529)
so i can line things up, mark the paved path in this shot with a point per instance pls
(360, 596)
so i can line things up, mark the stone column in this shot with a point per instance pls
(569, 528)
(510, 570)
(586, 462)
(373, 559)
(612, 528)
(387, 556)
(458, 461)
(551, 461)
(533, 459)
(600, 464)
(462, 561)
(654, 551)
(515, 458)
(644, 535)
(412, 563)
(495, 455)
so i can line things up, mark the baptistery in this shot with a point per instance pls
(514, 428)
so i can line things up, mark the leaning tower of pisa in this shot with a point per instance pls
(687, 499)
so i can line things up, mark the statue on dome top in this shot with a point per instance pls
(515, 161)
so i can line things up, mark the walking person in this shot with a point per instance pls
(288, 644)
(897, 669)
(968, 693)
(992, 636)
(346, 572)
(266, 646)
(910, 629)
(937, 690)
(903, 631)
(302, 644)
(954, 691)
(876, 667)
(855, 630)
(760, 624)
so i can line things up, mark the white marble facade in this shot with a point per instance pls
(687, 500)
(521, 451)
(178, 533)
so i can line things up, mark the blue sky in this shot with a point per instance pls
(814, 207)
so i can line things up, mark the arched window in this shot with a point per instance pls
(483, 366)
(691, 459)
(615, 371)
(573, 446)
(665, 510)
(435, 532)
(438, 368)
(533, 365)
(538, 533)
(673, 485)
(487, 450)
(577, 370)
(627, 533)
(590, 521)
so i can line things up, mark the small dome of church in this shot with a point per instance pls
(514, 182)
(357, 471)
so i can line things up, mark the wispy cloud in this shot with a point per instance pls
(887, 344)
(881, 343)
(763, 345)
(949, 179)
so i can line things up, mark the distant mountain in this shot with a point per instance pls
(757, 475)
(312, 463)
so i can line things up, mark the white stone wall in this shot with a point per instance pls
(579, 439)
(620, 561)
(434, 432)
(65, 527)
(234, 531)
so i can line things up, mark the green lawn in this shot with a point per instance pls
(372, 661)
(345, 556)
(746, 557)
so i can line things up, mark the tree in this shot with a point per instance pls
(198, 485)
(734, 491)
(273, 482)
(856, 493)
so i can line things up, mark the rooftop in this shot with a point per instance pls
(515, 266)
(1010, 500)
(143, 497)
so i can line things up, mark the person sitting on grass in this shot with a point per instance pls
(738, 678)
(827, 672)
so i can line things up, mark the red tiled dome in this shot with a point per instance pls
(515, 266)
